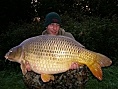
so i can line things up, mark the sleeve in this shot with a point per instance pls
(69, 35)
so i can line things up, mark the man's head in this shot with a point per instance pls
(52, 23)
(52, 17)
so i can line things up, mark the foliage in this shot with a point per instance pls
(11, 80)
(15, 35)
(96, 34)
(109, 80)
(100, 8)
(26, 10)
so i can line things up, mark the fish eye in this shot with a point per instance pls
(10, 51)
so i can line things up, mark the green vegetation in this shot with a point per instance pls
(109, 79)
(96, 34)
(11, 80)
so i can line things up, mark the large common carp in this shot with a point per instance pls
(48, 55)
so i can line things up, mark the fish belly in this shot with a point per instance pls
(50, 66)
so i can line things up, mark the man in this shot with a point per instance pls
(73, 78)
(52, 24)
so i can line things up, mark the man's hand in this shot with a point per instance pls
(74, 65)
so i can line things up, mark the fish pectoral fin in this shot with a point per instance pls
(23, 68)
(96, 70)
(47, 77)
(27, 65)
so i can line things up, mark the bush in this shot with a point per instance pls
(14, 36)
(96, 34)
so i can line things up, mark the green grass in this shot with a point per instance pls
(110, 78)
(13, 80)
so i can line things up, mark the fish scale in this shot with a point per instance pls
(55, 54)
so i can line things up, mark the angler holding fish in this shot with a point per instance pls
(51, 53)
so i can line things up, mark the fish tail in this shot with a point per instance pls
(94, 61)
(100, 61)
(103, 60)
(95, 68)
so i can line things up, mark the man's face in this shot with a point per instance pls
(53, 28)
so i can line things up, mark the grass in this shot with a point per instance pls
(13, 80)
(110, 78)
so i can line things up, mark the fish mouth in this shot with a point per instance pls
(6, 57)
